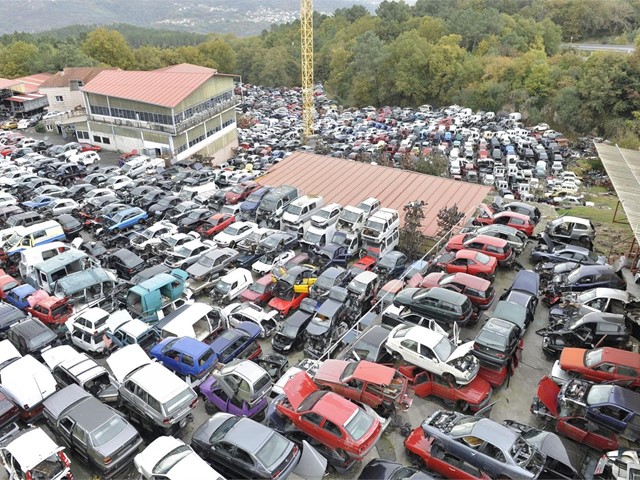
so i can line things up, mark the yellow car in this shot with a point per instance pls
(10, 125)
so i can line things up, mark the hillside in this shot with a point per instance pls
(243, 17)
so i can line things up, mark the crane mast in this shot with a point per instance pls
(306, 47)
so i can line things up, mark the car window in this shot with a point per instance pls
(627, 371)
(313, 418)
(410, 345)
(332, 428)
(187, 359)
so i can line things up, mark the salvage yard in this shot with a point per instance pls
(118, 257)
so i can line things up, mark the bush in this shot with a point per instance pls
(40, 128)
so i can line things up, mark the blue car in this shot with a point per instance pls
(18, 297)
(39, 202)
(586, 277)
(125, 218)
(250, 205)
(189, 358)
(238, 342)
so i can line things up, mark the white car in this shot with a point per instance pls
(7, 200)
(84, 158)
(24, 380)
(434, 352)
(236, 313)
(231, 285)
(174, 459)
(153, 235)
(31, 454)
(234, 233)
(266, 262)
(86, 330)
(63, 205)
(23, 124)
(119, 182)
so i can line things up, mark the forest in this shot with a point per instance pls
(486, 54)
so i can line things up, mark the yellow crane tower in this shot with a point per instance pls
(306, 50)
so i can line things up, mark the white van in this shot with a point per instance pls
(31, 257)
(140, 165)
(380, 225)
(381, 247)
(196, 320)
(297, 215)
(203, 192)
(33, 236)
(318, 236)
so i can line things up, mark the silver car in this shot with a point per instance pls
(98, 434)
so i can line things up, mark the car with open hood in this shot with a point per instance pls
(378, 386)
(434, 352)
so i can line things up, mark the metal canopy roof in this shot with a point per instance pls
(623, 168)
(348, 182)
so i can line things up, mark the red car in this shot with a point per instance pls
(473, 396)
(469, 261)
(89, 147)
(579, 429)
(259, 292)
(7, 283)
(329, 418)
(478, 290)
(215, 224)
(491, 246)
(512, 219)
(7, 150)
(364, 264)
(599, 365)
(285, 303)
(378, 386)
(51, 310)
(240, 192)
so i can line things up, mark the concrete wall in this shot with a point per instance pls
(70, 99)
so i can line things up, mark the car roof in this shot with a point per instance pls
(486, 239)
(423, 335)
(244, 368)
(447, 295)
(335, 408)
(620, 357)
(497, 434)
(248, 434)
(191, 346)
(159, 382)
(466, 279)
(30, 327)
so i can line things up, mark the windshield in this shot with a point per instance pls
(464, 426)
(238, 189)
(171, 459)
(183, 252)
(325, 214)
(231, 230)
(254, 197)
(273, 450)
(223, 287)
(358, 424)
(357, 286)
(268, 204)
(294, 209)
(324, 282)
(387, 262)
(312, 237)
(206, 261)
(592, 357)
(108, 431)
(288, 330)
(586, 296)
(492, 340)
(443, 349)
(179, 401)
(349, 216)
(147, 234)
(165, 202)
(14, 239)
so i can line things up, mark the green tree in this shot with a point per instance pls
(474, 25)
(353, 13)
(16, 59)
(109, 48)
(220, 53)
(411, 237)
(393, 15)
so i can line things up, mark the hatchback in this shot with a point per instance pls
(438, 303)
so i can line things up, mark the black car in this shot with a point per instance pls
(31, 336)
(77, 191)
(41, 146)
(9, 412)
(150, 198)
(290, 333)
(331, 277)
(71, 226)
(9, 316)
(278, 242)
(125, 262)
(180, 210)
(6, 212)
(369, 346)
(379, 469)
(193, 219)
(496, 342)
(148, 273)
(438, 303)
(524, 291)
(525, 209)
(94, 249)
(165, 204)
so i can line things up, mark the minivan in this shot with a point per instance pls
(299, 212)
(33, 236)
(440, 304)
(380, 225)
(274, 203)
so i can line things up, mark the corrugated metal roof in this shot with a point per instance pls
(623, 168)
(24, 98)
(28, 84)
(166, 87)
(83, 74)
(348, 183)
(6, 83)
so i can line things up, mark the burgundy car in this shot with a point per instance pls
(260, 291)
(240, 192)
(478, 290)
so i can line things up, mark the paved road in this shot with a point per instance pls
(600, 47)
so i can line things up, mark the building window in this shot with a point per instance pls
(59, 98)
(106, 140)
(82, 135)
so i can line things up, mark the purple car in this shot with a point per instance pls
(241, 388)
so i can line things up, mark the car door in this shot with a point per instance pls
(79, 441)
(458, 265)
(422, 384)
(611, 415)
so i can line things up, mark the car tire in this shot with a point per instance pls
(232, 244)
(210, 408)
(483, 276)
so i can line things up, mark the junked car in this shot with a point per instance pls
(236, 313)
(190, 359)
(96, 432)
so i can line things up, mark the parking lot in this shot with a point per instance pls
(510, 401)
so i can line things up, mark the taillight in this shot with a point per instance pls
(166, 421)
(194, 403)
(64, 459)
(500, 355)
(106, 460)
(28, 476)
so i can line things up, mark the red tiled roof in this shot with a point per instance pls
(348, 183)
(166, 87)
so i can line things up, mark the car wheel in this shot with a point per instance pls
(449, 378)
(232, 244)
(210, 408)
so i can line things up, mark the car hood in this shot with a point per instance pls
(56, 355)
(461, 351)
(299, 387)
